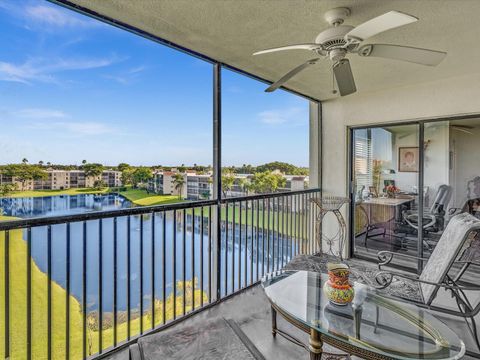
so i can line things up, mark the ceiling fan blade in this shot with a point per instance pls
(344, 77)
(404, 53)
(290, 74)
(387, 21)
(290, 47)
(463, 130)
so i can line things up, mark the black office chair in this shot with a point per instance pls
(433, 217)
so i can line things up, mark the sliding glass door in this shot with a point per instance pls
(388, 167)
(385, 179)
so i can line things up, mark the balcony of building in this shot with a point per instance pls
(148, 282)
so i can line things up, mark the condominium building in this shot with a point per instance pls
(164, 183)
(65, 179)
(296, 182)
(200, 186)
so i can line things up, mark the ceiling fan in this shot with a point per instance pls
(340, 40)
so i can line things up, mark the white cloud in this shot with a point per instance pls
(22, 73)
(78, 128)
(128, 76)
(85, 128)
(37, 113)
(46, 16)
(55, 16)
(137, 69)
(42, 70)
(292, 115)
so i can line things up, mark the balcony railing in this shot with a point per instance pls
(80, 286)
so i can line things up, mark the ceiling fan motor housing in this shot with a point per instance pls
(334, 38)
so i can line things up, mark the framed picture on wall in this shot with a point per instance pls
(408, 159)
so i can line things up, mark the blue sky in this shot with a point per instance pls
(72, 88)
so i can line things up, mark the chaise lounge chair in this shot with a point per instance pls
(459, 235)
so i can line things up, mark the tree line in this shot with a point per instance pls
(258, 183)
(263, 180)
(283, 167)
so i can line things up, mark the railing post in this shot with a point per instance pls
(6, 270)
(217, 177)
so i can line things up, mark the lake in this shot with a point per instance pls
(76, 204)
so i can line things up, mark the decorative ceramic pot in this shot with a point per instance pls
(391, 194)
(338, 289)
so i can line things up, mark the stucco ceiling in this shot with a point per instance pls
(231, 30)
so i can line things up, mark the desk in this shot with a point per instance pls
(396, 204)
(383, 214)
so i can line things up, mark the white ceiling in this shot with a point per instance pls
(231, 30)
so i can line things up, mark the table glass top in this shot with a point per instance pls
(403, 331)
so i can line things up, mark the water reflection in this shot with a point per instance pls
(28, 207)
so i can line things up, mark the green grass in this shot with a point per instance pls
(291, 224)
(18, 310)
(143, 198)
(137, 196)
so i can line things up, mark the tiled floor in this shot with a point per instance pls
(251, 311)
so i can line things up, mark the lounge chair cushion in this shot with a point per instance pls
(446, 252)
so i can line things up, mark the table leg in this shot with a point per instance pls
(274, 322)
(315, 345)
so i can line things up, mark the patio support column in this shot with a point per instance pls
(421, 152)
(217, 180)
(315, 162)
(315, 144)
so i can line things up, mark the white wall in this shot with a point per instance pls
(466, 163)
(446, 97)
(436, 170)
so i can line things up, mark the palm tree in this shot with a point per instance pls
(179, 182)
(40, 163)
(228, 179)
(84, 162)
(25, 161)
(244, 184)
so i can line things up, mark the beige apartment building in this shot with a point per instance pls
(65, 179)
(199, 186)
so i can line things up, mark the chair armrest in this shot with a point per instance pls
(386, 257)
(385, 278)
(468, 262)
(431, 217)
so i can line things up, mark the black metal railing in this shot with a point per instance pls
(79, 286)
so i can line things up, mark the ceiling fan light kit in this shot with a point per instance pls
(339, 40)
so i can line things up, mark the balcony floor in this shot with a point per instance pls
(251, 311)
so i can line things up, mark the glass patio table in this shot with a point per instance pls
(372, 326)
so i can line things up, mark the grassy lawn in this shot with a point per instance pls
(287, 223)
(137, 196)
(18, 310)
(141, 197)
